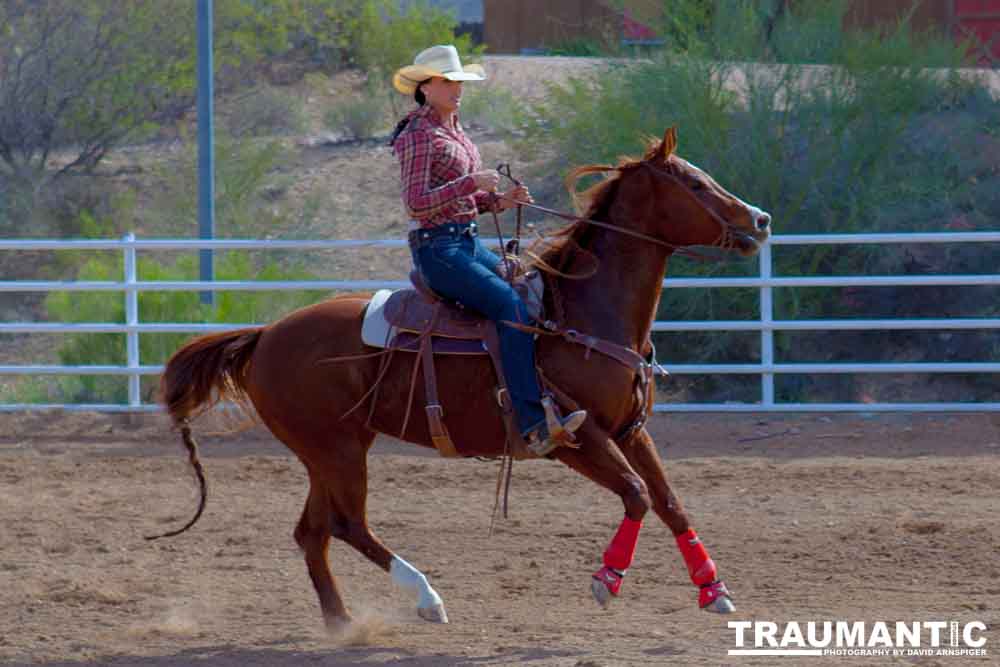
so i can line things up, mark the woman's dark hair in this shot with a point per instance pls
(420, 99)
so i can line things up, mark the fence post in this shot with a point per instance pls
(206, 145)
(131, 320)
(766, 332)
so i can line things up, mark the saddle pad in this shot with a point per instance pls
(375, 329)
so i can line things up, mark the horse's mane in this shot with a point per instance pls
(554, 251)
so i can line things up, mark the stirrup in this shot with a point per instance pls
(560, 429)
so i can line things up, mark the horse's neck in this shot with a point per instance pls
(618, 303)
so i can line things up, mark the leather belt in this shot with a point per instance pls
(453, 229)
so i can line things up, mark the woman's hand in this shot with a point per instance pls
(486, 180)
(519, 195)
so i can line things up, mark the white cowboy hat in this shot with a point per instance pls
(442, 61)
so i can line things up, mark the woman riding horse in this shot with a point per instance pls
(444, 190)
(640, 215)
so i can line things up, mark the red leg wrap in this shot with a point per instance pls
(622, 548)
(618, 555)
(699, 565)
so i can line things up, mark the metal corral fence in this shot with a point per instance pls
(130, 286)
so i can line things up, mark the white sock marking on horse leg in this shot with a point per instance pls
(410, 577)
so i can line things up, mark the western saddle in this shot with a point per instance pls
(426, 323)
(422, 321)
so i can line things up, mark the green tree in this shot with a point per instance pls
(231, 307)
(79, 77)
(384, 37)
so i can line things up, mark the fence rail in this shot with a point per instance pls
(766, 325)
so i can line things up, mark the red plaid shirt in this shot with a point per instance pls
(435, 166)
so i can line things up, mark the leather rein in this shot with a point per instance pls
(727, 233)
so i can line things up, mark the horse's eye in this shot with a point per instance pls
(697, 185)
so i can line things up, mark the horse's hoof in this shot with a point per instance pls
(601, 592)
(721, 605)
(605, 584)
(337, 625)
(715, 597)
(434, 614)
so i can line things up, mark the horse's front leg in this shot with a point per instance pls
(600, 459)
(642, 455)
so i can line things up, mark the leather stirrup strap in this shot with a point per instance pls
(562, 398)
(492, 342)
(513, 441)
(435, 413)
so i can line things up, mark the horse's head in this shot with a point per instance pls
(683, 205)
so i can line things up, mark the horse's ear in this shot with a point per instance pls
(669, 144)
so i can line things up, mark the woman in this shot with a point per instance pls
(445, 189)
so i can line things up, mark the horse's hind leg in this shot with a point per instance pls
(359, 535)
(713, 595)
(313, 535)
(349, 523)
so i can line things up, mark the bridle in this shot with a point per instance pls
(728, 234)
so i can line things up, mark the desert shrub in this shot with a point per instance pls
(372, 36)
(79, 79)
(580, 47)
(493, 108)
(57, 210)
(264, 111)
(385, 36)
(231, 307)
(879, 141)
(359, 117)
(246, 171)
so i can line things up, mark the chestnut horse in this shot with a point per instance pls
(646, 210)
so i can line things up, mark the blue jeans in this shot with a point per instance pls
(457, 266)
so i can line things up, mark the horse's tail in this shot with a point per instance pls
(205, 371)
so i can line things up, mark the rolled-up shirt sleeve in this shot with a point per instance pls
(415, 152)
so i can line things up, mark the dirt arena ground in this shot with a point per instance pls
(860, 518)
